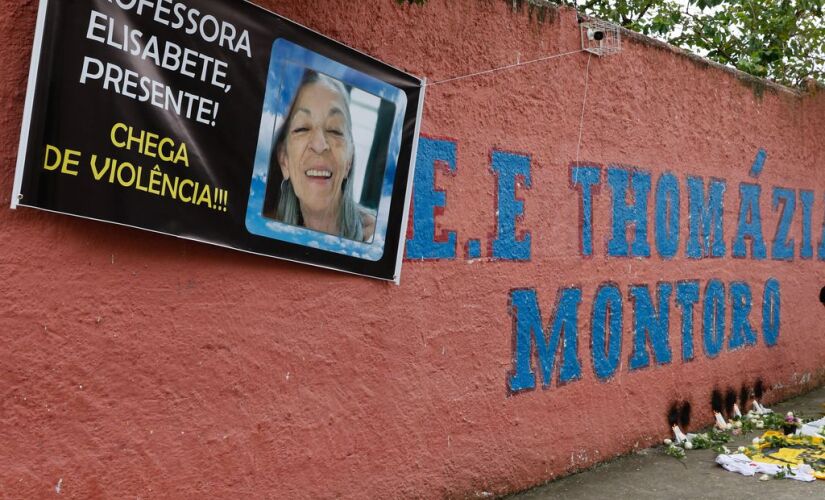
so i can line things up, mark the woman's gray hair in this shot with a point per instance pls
(289, 207)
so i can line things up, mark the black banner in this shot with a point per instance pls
(220, 122)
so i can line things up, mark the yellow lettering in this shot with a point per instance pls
(195, 193)
(154, 180)
(138, 186)
(48, 163)
(67, 159)
(183, 155)
(172, 189)
(135, 139)
(115, 128)
(164, 152)
(180, 191)
(70, 161)
(150, 146)
(206, 195)
(98, 174)
(123, 166)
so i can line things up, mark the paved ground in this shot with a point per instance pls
(650, 474)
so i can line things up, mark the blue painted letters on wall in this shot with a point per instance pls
(428, 200)
(508, 167)
(741, 331)
(648, 323)
(687, 295)
(625, 213)
(606, 340)
(713, 318)
(667, 215)
(586, 178)
(770, 312)
(750, 222)
(706, 236)
(782, 248)
(806, 251)
(562, 329)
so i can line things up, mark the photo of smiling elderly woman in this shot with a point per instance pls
(313, 154)
(331, 181)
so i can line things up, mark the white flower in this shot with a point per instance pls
(741, 449)
(756, 440)
(789, 414)
(760, 424)
(729, 426)
(688, 445)
(726, 450)
(737, 424)
(668, 442)
(764, 477)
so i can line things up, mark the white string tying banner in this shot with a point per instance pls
(532, 61)
(584, 101)
(503, 68)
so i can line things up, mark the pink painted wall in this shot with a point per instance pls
(134, 364)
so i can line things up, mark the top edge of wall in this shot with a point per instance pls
(747, 78)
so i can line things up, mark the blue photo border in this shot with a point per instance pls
(286, 68)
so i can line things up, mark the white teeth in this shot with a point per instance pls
(325, 174)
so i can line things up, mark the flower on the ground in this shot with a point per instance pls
(675, 451)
